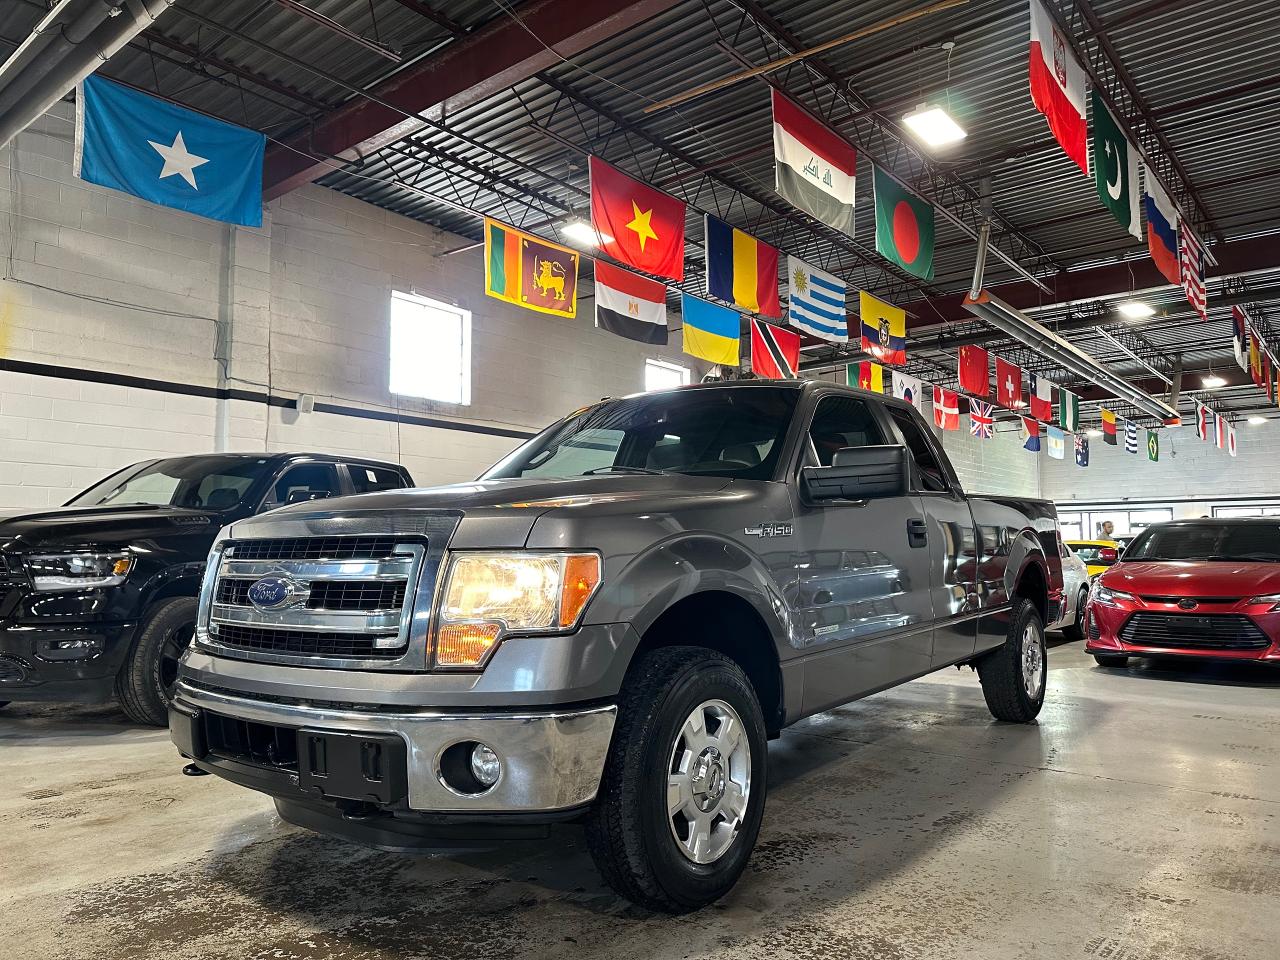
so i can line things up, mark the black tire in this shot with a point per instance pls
(1110, 661)
(4, 703)
(629, 829)
(1075, 631)
(1001, 670)
(144, 685)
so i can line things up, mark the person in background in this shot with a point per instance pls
(1106, 529)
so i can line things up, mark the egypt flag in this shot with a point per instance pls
(865, 375)
(904, 226)
(741, 269)
(1057, 85)
(1108, 426)
(1162, 230)
(946, 409)
(630, 306)
(814, 167)
(775, 353)
(884, 330)
(636, 224)
(1040, 391)
(1009, 384)
(974, 368)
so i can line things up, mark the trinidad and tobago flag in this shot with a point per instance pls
(636, 224)
(775, 353)
(904, 226)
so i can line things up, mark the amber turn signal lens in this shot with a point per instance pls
(465, 644)
(581, 576)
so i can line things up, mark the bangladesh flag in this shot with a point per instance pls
(904, 226)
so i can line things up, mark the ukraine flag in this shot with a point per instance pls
(711, 332)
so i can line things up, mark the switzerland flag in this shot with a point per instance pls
(1057, 85)
(637, 225)
(1009, 384)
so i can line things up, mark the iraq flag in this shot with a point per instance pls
(814, 168)
(166, 154)
(904, 226)
(1115, 168)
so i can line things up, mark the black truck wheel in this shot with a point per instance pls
(1075, 630)
(145, 683)
(1013, 675)
(682, 793)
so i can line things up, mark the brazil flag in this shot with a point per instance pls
(904, 226)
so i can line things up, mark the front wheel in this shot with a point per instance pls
(1013, 675)
(146, 681)
(682, 793)
(1075, 630)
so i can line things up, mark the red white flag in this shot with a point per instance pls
(636, 224)
(975, 371)
(1231, 440)
(1191, 266)
(946, 409)
(775, 353)
(1009, 384)
(1058, 84)
(1203, 414)
(1220, 434)
(1040, 390)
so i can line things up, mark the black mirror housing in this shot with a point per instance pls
(860, 473)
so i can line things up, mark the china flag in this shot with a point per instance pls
(637, 225)
(1009, 385)
(974, 370)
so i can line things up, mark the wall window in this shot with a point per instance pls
(664, 375)
(430, 349)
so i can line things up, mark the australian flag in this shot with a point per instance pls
(1082, 450)
(167, 154)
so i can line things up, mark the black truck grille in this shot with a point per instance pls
(307, 643)
(248, 742)
(315, 548)
(1230, 631)
(328, 594)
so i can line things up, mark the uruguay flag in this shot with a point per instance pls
(166, 154)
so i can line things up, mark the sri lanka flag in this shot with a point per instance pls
(1057, 85)
(740, 269)
(884, 330)
(814, 167)
(711, 332)
(1162, 230)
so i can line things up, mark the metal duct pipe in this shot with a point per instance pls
(68, 45)
(1017, 324)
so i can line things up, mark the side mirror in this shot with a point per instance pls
(860, 473)
(1108, 555)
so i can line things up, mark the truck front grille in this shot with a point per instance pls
(304, 642)
(316, 548)
(327, 595)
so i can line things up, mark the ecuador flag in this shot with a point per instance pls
(711, 332)
(884, 330)
(741, 269)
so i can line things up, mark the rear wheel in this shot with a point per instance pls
(1013, 675)
(1075, 629)
(146, 682)
(1110, 661)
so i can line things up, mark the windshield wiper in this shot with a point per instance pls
(617, 468)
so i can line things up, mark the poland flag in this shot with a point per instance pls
(1057, 85)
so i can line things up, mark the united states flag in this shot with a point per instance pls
(1192, 268)
(981, 419)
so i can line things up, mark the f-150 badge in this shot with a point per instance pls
(769, 530)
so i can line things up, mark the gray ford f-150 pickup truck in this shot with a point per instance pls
(608, 626)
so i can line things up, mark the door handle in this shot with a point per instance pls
(917, 533)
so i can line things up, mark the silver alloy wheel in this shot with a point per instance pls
(708, 781)
(1032, 661)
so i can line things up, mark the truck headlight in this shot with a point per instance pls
(490, 595)
(80, 570)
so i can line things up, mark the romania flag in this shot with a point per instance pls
(711, 332)
(741, 270)
(884, 329)
(1108, 426)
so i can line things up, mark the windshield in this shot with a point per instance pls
(210, 483)
(1208, 541)
(715, 432)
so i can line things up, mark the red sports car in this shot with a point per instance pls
(1191, 588)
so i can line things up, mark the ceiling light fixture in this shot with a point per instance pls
(1135, 310)
(1256, 419)
(933, 126)
(1093, 432)
(1212, 380)
(580, 233)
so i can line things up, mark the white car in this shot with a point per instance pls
(1075, 591)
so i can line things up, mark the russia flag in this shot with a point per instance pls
(1162, 230)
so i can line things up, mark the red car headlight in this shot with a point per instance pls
(1108, 596)
(1271, 599)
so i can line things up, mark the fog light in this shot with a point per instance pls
(485, 765)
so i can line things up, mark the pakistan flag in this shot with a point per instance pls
(1115, 168)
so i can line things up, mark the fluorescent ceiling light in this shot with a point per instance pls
(1213, 380)
(1136, 310)
(933, 126)
(1093, 432)
(582, 234)
(1255, 419)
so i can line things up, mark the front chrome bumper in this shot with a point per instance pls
(551, 759)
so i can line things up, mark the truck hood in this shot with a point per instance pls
(1194, 578)
(79, 525)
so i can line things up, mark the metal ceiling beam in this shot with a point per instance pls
(334, 27)
(493, 58)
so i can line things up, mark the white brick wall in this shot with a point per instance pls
(996, 466)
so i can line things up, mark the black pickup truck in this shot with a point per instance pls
(609, 625)
(99, 596)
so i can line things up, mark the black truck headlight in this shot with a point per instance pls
(80, 570)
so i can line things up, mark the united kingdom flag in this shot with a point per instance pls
(982, 420)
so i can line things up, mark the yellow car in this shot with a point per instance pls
(1097, 554)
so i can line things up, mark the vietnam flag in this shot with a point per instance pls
(637, 225)
(1057, 85)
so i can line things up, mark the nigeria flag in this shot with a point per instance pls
(1115, 168)
(904, 226)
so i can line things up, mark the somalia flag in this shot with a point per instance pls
(166, 154)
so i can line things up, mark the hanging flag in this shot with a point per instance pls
(1130, 437)
(815, 301)
(1108, 426)
(1040, 391)
(1030, 434)
(636, 224)
(1162, 229)
(1082, 450)
(884, 329)
(166, 154)
(1240, 336)
(1057, 443)
(865, 375)
(904, 225)
(1202, 421)
(1057, 85)
(1221, 431)
(814, 167)
(1255, 359)
(975, 371)
(1191, 263)
(741, 269)
(1068, 410)
(1115, 168)
(528, 271)
(1009, 384)
(1266, 376)
(908, 388)
(775, 353)
(1231, 440)
(946, 409)
(982, 419)
(1153, 446)
(629, 305)
(711, 332)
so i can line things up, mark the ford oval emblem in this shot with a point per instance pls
(1187, 603)
(270, 593)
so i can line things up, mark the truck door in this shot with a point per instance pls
(954, 547)
(861, 599)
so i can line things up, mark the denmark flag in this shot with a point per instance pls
(1057, 85)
